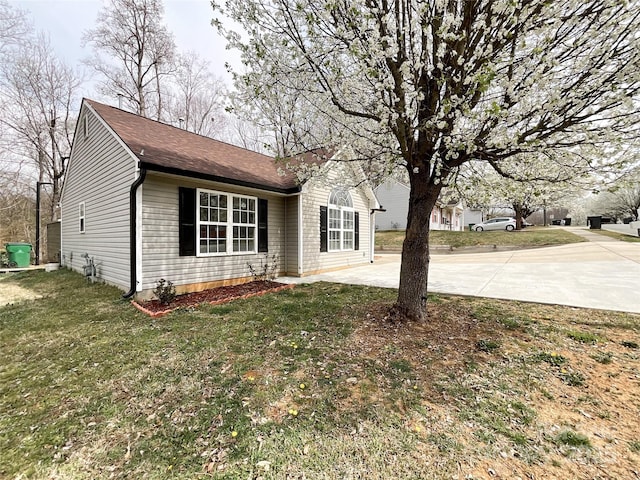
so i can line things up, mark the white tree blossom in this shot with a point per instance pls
(621, 199)
(435, 84)
(527, 192)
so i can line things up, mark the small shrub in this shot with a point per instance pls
(510, 323)
(165, 291)
(4, 259)
(554, 359)
(573, 379)
(603, 357)
(401, 365)
(487, 346)
(629, 344)
(444, 443)
(582, 337)
(572, 439)
(634, 446)
(268, 269)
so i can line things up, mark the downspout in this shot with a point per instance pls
(300, 237)
(372, 231)
(133, 244)
(372, 235)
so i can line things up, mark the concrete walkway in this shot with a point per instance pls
(602, 273)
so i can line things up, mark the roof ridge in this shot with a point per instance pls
(182, 130)
(162, 147)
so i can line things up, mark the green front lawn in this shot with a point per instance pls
(312, 383)
(529, 237)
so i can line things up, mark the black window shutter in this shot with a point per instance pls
(187, 221)
(356, 231)
(263, 238)
(323, 229)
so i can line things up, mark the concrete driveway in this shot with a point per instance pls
(602, 273)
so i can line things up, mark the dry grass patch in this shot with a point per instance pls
(558, 396)
(12, 293)
(314, 383)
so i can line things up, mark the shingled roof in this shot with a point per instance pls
(164, 148)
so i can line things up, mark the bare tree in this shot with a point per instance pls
(14, 26)
(248, 134)
(39, 95)
(17, 208)
(436, 84)
(133, 54)
(197, 98)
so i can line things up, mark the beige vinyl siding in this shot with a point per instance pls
(291, 245)
(317, 194)
(100, 174)
(160, 254)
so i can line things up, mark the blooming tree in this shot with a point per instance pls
(481, 186)
(438, 83)
(621, 199)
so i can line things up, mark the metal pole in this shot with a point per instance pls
(38, 223)
(38, 185)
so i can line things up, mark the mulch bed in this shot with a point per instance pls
(213, 296)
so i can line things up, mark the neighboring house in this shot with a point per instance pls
(472, 216)
(394, 198)
(148, 201)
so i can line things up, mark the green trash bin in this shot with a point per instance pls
(19, 253)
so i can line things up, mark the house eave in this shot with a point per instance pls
(219, 179)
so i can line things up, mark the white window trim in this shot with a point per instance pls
(82, 217)
(344, 230)
(229, 224)
(342, 210)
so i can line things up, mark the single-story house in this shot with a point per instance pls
(394, 196)
(145, 201)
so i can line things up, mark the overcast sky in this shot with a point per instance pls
(188, 20)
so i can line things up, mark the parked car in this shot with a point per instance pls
(500, 223)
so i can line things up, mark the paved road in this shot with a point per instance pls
(602, 273)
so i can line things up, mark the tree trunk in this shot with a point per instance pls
(414, 269)
(159, 113)
(518, 217)
(518, 208)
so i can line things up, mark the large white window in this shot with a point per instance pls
(226, 223)
(341, 220)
